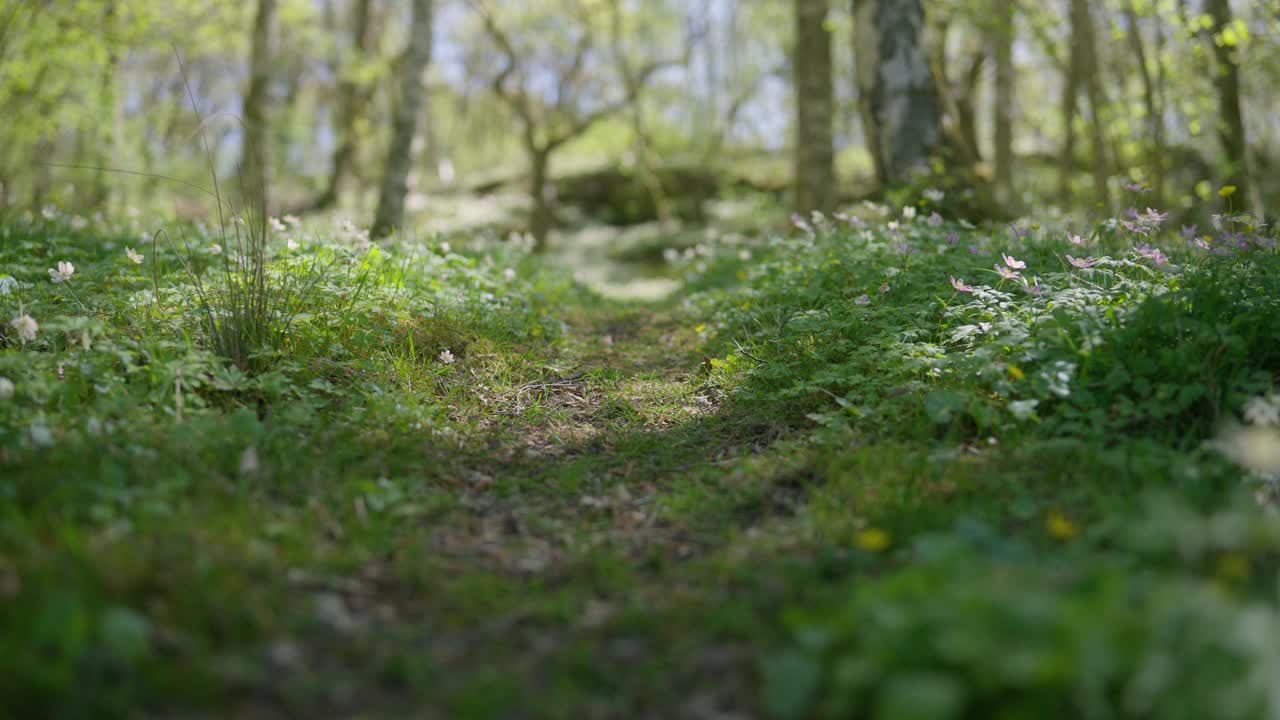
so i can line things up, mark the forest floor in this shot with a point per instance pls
(473, 493)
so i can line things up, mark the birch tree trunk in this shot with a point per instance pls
(255, 156)
(395, 178)
(900, 108)
(815, 153)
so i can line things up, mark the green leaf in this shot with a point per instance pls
(941, 406)
(791, 685)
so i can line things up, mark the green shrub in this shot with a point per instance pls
(1181, 624)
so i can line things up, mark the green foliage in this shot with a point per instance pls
(458, 459)
(869, 320)
(1159, 633)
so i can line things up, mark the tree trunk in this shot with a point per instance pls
(1070, 96)
(815, 154)
(1226, 80)
(1155, 126)
(255, 154)
(1002, 141)
(955, 98)
(965, 109)
(1097, 106)
(395, 178)
(541, 218)
(1083, 70)
(109, 134)
(351, 99)
(897, 93)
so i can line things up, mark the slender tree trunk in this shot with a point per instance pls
(351, 100)
(955, 98)
(109, 133)
(1097, 127)
(900, 106)
(541, 217)
(395, 178)
(1226, 80)
(1162, 96)
(1070, 97)
(1002, 141)
(1155, 127)
(646, 159)
(965, 110)
(255, 154)
(815, 153)
(1083, 70)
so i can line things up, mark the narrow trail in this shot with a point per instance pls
(614, 491)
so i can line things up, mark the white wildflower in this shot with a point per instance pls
(1255, 448)
(63, 272)
(216, 249)
(509, 275)
(446, 357)
(133, 255)
(249, 461)
(1263, 411)
(8, 284)
(41, 435)
(276, 225)
(291, 244)
(934, 195)
(1023, 409)
(446, 248)
(6, 388)
(744, 255)
(909, 212)
(26, 327)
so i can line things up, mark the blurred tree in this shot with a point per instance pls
(353, 95)
(395, 178)
(1083, 69)
(901, 114)
(626, 29)
(958, 96)
(815, 182)
(1002, 36)
(1152, 112)
(552, 84)
(1223, 37)
(255, 155)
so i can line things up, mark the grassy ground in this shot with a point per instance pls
(463, 486)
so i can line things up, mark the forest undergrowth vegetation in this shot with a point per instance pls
(885, 464)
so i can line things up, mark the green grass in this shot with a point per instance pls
(597, 509)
